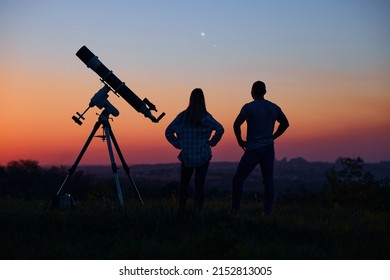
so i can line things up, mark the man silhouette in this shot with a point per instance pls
(260, 116)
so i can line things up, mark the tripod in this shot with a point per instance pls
(108, 136)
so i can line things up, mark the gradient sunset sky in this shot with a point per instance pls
(326, 63)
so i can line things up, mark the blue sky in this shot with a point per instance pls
(315, 32)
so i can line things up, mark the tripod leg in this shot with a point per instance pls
(113, 165)
(124, 164)
(82, 152)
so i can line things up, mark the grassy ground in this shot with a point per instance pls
(306, 229)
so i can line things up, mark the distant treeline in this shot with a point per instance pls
(27, 179)
(347, 182)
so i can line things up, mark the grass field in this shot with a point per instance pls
(305, 228)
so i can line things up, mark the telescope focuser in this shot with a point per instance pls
(151, 107)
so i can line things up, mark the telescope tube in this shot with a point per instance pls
(93, 62)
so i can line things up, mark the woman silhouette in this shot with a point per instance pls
(192, 133)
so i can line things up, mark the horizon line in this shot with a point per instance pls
(285, 159)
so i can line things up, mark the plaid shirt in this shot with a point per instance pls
(194, 141)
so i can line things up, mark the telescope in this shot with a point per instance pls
(100, 100)
(113, 83)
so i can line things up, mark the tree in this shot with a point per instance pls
(22, 176)
(26, 179)
(349, 173)
(348, 183)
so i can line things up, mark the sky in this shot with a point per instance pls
(325, 63)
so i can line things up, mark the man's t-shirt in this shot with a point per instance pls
(261, 116)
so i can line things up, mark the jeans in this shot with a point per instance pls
(265, 157)
(200, 178)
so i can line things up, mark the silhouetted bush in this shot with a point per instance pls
(348, 183)
(26, 179)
